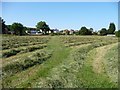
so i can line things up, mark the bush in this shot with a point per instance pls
(85, 31)
(117, 33)
(103, 32)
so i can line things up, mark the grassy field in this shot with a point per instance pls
(59, 62)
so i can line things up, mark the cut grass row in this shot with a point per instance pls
(17, 41)
(24, 63)
(12, 52)
(79, 40)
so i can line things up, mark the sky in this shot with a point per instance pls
(62, 15)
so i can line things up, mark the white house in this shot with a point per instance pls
(33, 32)
(71, 31)
(55, 30)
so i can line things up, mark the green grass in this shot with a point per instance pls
(67, 67)
(90, 79)
(111, 63)
(76, 72)
(58, 56)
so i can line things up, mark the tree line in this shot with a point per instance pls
(19, 29)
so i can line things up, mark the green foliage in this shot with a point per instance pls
(17, 28)
(103, 32)
(112, 28)
(95, 33)
(3, 26)
(117, 33)
(43, 26)
(85, 31)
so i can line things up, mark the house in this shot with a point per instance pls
(55, 30)
(33, 32)
(71, 31)
(66, 32)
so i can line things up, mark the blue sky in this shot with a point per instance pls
(62, 15)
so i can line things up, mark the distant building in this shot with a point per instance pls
(66, 32)
(55, 30)
(71, 31)
(33, 31)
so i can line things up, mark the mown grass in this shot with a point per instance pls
(14, 51)
(111, 63)
(90, 79)
(56, 59)
(67, 67)
(76, 72)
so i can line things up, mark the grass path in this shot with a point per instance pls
(93, 74)
(111, 63)
(98, 60)
(60, 53)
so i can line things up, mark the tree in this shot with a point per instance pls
(85, 31)
(43, 26)
(17, 28)
(103, 32)
(117, 33)
(91, 29)
(3, 26)
(9, 27)
(112, 28)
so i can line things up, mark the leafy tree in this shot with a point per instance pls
(3, 26)
(117, 33)
(103, 32)
(9, 27)
(91, 29)
(112, 28)
(17, 28)
(85, 31)
(43, 26)
(24, 31)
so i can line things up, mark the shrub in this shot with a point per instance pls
(117, 33)
(103, 32)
